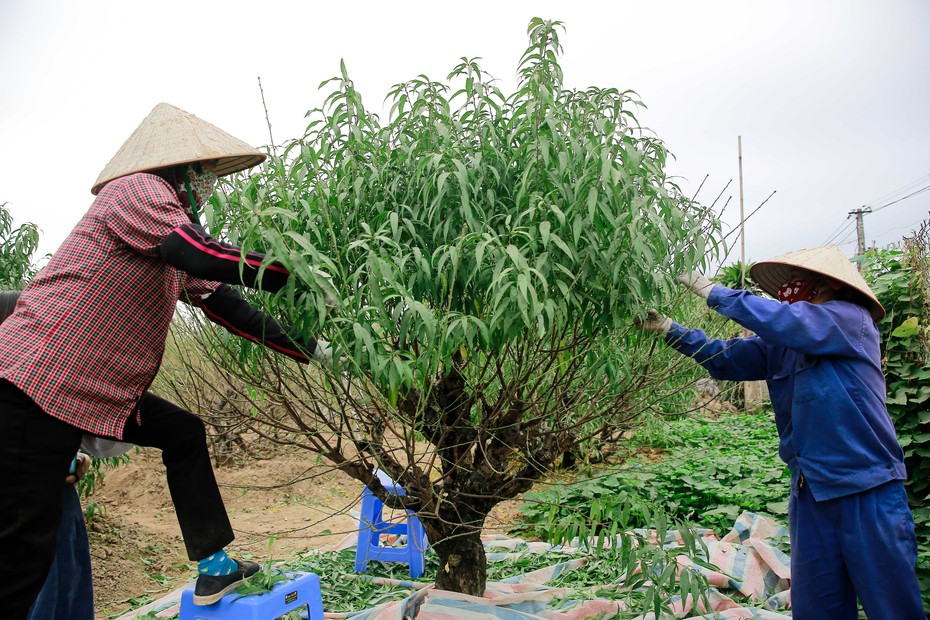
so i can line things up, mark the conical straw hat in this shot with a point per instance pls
(828, 261)
(169, 136)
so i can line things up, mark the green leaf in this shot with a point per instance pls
(778, 508)
(907, 329)
(899, 397)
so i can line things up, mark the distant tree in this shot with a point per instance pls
(731, 276)
(488, 253)
(17, 245)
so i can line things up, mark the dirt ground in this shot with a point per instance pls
(277, 507)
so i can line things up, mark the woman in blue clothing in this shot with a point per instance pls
(817, 347)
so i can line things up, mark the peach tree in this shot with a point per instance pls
(488, 252)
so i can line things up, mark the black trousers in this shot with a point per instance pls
(182, 439)
(36, 451)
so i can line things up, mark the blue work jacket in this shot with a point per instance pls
(822, 364)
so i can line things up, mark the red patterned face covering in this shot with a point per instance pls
(797, 290)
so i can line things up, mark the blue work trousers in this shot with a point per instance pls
(68, 592)
(856, 545)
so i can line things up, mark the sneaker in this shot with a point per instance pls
(211, 588)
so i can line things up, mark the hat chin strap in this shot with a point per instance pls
(191, 199)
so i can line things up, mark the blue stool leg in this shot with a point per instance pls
(315, 605)
(369, 521)
(416, 546)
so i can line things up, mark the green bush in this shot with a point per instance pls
(899, 279)
(715, 469)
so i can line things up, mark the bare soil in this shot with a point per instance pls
(278, 507)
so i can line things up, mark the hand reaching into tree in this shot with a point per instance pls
(697, 283)
(654, 322)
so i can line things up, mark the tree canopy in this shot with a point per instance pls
(487, 252)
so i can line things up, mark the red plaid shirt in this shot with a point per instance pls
(89, 332)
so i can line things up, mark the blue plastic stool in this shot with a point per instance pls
(303, 589)
(371, 526)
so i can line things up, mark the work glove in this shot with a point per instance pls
(654, 322)
(323, 353)
(326, 283)
(332, 304)
(696, 283)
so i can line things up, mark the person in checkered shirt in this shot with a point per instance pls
(87, 336)
(68, 590)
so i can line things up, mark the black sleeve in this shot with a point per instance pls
(227, 308)
(190, 249)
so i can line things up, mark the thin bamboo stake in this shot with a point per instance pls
(742, 220)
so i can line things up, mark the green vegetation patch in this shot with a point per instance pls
(709, 472)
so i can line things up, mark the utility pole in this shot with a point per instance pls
(860, 231)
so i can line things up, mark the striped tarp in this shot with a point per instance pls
(747, 560)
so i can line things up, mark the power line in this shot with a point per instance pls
(906, 188)
(851, 224)
(845, 240)
(866, 209)
(920, 191)
(839, 231)
(911, 226)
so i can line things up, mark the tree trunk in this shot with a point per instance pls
(455, 535)
(463, 566)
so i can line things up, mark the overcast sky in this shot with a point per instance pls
(831, 97)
